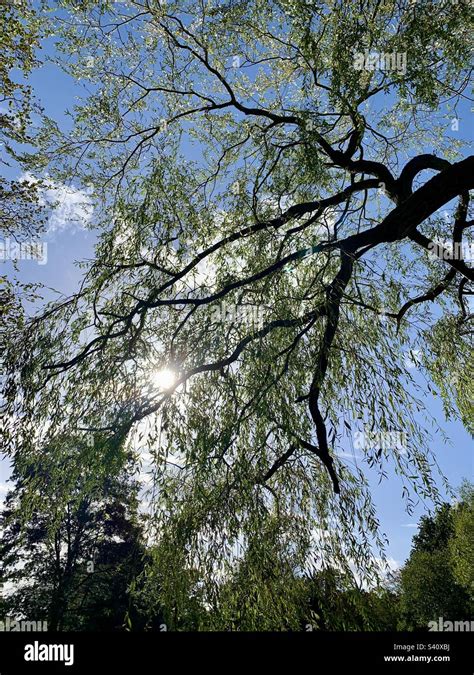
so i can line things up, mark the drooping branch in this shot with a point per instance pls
(456, 177)
(333, 301)
(340, 159)
(432, 294)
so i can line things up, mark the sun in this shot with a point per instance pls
(164, 379)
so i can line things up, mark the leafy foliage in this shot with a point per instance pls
(461, 544)
(299, 208)
(21, 212)
(435, 581)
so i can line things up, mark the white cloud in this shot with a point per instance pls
(349, 455)
(70, 206)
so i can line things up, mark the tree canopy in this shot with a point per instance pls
(71, 564)
(435, 582)
(267, 212)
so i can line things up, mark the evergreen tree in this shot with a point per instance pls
(72, 565)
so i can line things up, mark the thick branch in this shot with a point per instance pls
(414, 167)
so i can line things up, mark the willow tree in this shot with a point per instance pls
(270, 252)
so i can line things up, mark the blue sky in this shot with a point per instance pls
(68, 242)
